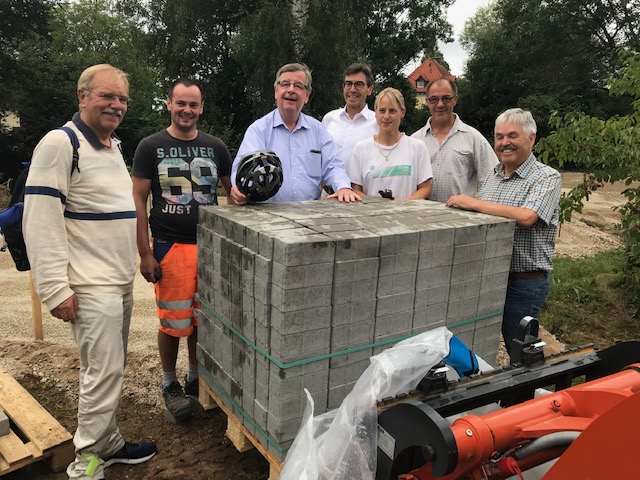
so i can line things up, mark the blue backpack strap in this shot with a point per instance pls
(11, 215)
(75, 143)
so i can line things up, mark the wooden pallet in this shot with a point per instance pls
(241, 438)
(35, 435)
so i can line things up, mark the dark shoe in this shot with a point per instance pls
(132, 454)
(192, 388)
(178, 405)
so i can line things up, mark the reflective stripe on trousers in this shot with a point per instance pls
(176, 292)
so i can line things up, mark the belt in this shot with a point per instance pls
(527, 275)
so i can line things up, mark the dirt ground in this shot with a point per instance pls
(199, 449)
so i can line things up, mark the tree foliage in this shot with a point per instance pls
(546, 56)
(233, 47)
(78, 35)
(19, 19)
(387, 34)
(609, 151)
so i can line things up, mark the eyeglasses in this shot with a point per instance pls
(296, 85)
(347, 84)
(436, 100)
(111, 98)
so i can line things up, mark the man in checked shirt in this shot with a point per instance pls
(528, 192)
(461, 157)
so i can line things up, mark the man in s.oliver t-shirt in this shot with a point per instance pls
(180, 166)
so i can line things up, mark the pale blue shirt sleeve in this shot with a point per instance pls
(254, 139)
(333, 169)
(308, 155)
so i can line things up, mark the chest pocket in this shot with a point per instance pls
(314, 164)
(457, 161)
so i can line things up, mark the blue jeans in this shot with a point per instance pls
(524, 298)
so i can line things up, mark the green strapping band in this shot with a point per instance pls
(221, 392)
(307, 361)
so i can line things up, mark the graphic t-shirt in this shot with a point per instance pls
(399, 168)
(184, 175)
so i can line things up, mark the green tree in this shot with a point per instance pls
(396, 32)
(234, 47)
(19, 20)
(262, 44)
(608, 151)
(387, 34)
(81, 34)
(192, 38)
(545, 56)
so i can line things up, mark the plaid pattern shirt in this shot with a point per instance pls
(537, 187)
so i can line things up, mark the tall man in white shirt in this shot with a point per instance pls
(353, 122)
(460, 156)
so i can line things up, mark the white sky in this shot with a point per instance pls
(457, 14)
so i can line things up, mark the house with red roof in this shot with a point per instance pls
(426, 73)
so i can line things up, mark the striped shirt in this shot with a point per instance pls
(80, 227)
(537, 187)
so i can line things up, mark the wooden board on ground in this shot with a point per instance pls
(237, 433)
(35, 435)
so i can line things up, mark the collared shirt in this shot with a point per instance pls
(90, 135)
(79, 224)
(346, 132)
(460, 163)
(537, 187)
(309, 156)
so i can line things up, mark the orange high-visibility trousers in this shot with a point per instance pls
(177, 290)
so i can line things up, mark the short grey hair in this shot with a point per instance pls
(519, 116)
(294, 67)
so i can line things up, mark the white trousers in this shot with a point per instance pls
(101, 332)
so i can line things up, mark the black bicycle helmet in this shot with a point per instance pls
(259, 175)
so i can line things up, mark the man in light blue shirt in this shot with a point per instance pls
(307, 151)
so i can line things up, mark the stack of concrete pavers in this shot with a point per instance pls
(301, 295)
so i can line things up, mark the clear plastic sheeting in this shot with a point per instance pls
(341, 444)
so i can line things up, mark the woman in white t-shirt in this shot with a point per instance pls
(391, 160)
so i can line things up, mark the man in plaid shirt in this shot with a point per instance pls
(525, 190)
